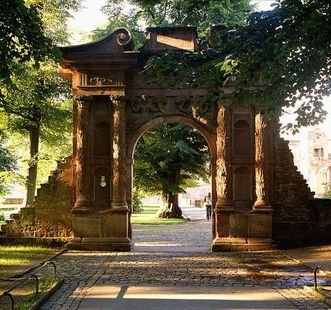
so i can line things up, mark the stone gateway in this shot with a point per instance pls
(259, 197)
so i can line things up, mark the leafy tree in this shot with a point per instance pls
(33, 106)
(33, 99)
(277, 59)
(201, 13)
(167, 159)
(22, 36)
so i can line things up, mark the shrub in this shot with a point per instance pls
(137, 205)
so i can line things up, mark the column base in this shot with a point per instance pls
(119, 205)
(101, 231)
(261, 206)
(242, 244)
(81, 207)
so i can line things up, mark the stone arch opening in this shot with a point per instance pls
(205, 133)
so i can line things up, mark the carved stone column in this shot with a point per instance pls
(82, 160)
(224, 158)
(118, 199)
(261, 163)
(224, 204)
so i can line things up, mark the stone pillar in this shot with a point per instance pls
(224, 204)
(259, 220)
(224, 160)
(261, 163)
(129, 190)
(82, 160)
(118, 199)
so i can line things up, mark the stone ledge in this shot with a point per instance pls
(101, 244)
(242, 245)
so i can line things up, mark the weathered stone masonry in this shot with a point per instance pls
(259, 197)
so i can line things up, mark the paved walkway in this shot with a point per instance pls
(193, 213)
(178, 272)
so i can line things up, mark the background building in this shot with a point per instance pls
(312, 155)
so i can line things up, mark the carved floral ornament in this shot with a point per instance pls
(100, 81)
(167, 105)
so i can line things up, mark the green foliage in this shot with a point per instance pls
(32, 96)
(169, 158)
(279, 58)
(327, 193)
(35, 97)
(137, 205)
(7, 162)
(54, 15)
(22, 36)
(203, 14)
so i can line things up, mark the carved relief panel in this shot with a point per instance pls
(141, 109)
(101, 79)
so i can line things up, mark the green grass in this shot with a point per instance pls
(148, 217)
(17, 258)
(44, 285)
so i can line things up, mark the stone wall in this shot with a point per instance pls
(50, 214)
(292, 221)
(321, 214)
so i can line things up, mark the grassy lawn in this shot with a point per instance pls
(17, 258)
(24, 302)
(148, 217)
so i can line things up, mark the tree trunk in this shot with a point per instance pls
(34, 133)
(171, 207)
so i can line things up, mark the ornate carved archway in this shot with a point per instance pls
(258, 194)
(115, 104)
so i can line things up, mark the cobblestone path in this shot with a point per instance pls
(82, 270)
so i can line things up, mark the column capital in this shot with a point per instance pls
(118, 101)
(83, 102)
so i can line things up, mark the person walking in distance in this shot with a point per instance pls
(208, 204)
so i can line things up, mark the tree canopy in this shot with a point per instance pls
(277, 59)
(22, 36)
(172, 13)
(201, 13)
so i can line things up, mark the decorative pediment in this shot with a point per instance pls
(117, 42)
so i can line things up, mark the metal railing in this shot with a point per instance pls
(8, 294)
(315, 276)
